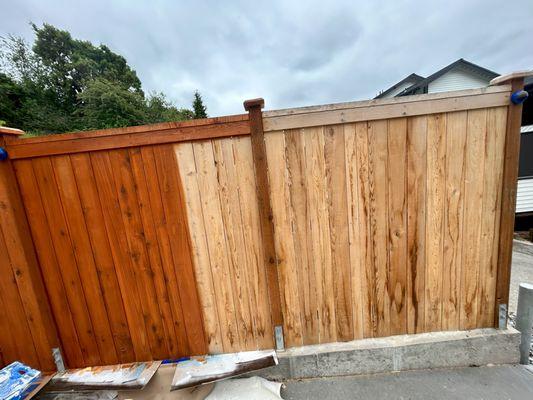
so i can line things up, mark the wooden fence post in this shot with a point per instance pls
(22, 293)
(510, 179)
(254, 107)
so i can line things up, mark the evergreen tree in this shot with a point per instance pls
(198, 107)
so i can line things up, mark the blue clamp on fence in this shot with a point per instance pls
(519, 96)
(3, 154)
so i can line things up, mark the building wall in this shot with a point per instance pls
(398, 90)
(456, 80)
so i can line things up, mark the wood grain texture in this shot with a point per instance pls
(357, 221)
(456, 134)
(397, 204)
(436, 181)
(416, 222)
(474, 178)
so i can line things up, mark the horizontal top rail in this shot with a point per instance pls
(168, 132)
(330, 114)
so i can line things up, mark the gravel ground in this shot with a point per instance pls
(521, 271)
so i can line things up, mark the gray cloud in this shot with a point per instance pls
(291, 53)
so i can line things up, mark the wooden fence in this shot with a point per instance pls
(333, 223)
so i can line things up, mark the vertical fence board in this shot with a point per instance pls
(275, 148)
(119, 249)
(136, 238)
(436, 165)
(63, 248)
(252, 238)
(397, 181)
(231, 217)
(320, 233)
(68, 194)
(416, 223)
(357, 226)
(205, 275)
(208, 186)
(494, 146)
(379, 231)
(146, 161)
(52, 276)
(335, 162)
(296, 175)
(474, 178)
(453, 224)
(153, 251)
(96, 230)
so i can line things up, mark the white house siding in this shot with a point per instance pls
(456, 80)
(524, 195)
(399, 89)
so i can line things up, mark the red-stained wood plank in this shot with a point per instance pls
(135, 235)
(153, 249)
(83, 253)
(165, 247)
(68, 267)
(126, 276)
(49, 265)
(170, 185)
(101, 249)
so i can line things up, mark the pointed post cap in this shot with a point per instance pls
(249, 104)
(4, 130)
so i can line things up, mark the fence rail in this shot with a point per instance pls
(333, 222)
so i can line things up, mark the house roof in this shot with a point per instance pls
(459, 63)
(410, 78)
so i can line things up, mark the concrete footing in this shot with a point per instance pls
(398, 353)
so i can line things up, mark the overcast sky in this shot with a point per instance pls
(290, 53)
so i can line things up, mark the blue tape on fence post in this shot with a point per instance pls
(519, 96)
(3, 154)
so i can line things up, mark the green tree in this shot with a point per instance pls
(198, 107)
(104, 104)
(62, 84)
(159, 109)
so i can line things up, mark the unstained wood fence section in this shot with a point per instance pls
(335, 223)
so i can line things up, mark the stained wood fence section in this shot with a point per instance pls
(388, 217)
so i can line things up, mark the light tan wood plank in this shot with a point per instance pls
(490, 223)
(200, 250)
(335, 163)
(287, 263)
(416, 222)
(357, 225)
(320, 232)
(379, 230)
(242, 152)
(474, 178)
(231, 216)
(436, 166)
(397, 192)
(216, 242)
(297, 176)
(453, 223)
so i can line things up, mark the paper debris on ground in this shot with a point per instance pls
(159, 388)
(18, 381)
(199, 370)
(256, 388)
(121, 376)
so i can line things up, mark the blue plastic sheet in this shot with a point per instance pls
(16, 379)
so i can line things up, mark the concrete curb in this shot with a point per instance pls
(522, 246)
(398, 353)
